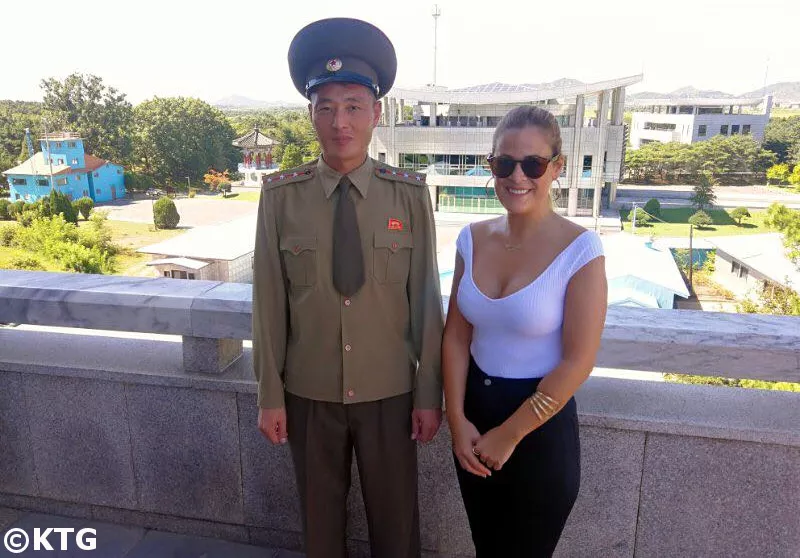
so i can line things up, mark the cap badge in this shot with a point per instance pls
(333, 65)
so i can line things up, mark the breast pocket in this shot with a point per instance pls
(300, 259)
(391, 259)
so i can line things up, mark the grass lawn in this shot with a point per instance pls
(677, 223)
(243, 196)
(127, 236)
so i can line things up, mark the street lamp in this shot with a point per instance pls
(188, 185)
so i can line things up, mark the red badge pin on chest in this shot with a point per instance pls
(395, 225)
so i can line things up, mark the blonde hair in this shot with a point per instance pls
(537, 117)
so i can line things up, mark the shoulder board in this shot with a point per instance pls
(290, 176)
(399, 175)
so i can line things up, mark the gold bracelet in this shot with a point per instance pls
(543, 405)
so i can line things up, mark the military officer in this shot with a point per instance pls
(347, 316)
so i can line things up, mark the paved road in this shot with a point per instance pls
(753, 197)
(194, 212)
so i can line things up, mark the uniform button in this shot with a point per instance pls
(487, 382)
(297, 249)
(350, 393)
(394, 245)
(347, 302)
(347, 348)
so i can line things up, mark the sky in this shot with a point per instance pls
(211, 50)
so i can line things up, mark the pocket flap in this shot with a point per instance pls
(298, 244)
(393, 241)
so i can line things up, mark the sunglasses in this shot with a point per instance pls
(533, 166)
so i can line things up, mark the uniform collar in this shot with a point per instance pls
(360, 177)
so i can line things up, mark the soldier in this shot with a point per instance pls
(347, 316)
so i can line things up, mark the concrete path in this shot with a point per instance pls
(194, 212)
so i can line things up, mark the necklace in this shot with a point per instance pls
(513, 246)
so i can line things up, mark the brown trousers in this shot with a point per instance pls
(322, 437)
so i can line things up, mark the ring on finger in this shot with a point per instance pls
(476, 452)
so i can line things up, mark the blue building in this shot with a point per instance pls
(63, 164)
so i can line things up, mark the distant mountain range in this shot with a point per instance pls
(781, 92)
(240, 102)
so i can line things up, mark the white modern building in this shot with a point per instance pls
(214, 253)
(692, 120)
(447, 133)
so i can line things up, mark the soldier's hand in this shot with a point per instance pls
(272, 424)
(425, 424)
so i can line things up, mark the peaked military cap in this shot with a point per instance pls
(342, 50)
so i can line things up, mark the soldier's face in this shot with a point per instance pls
(344, 116)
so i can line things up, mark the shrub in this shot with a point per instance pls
(60, 204)
(97, 234)
(642, 218)
(701, 219)
(4, 206)
(27, 217)
(7, 235)
(45, 234)
(84, 206)
(16, 208)
(739, 214)
(27, 263)
(653, 207)
(165, 214)
(136, 182)
(81, 259)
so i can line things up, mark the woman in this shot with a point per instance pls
(526, 313)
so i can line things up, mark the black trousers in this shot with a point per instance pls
(322, 437)
(520, 510)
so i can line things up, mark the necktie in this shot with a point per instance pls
(348, 259)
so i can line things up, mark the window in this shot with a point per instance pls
(42, 181)
(78, 176)
(191, 276)
(587, 166)
(119, 171)
(19, 181)
(686, 110)
(723, 129)
(97, 175)
(735, 267)
(86, 193)
(702, 129)
(660, 126)
(72, 144)
(178, 274)
(746, 129)
(16, 196)
(61, 181)
(58, 145)
(709, 110)
(743, 272)
(166, 274)
(734, 129)
(564, 169)
(74, 162)
(98, 191)
(61, 161)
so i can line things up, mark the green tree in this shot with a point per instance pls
(84, 206)
(779, 172)
(59, 204)
(15, 116)
(786, 221)
(701, 220)
(653, 207)
(782, 137)
(739, 214)
(704, 191)
(794, 178)
(292, 157)
(101, 115)
(773, 299)
(179, 137)
(165, 214)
